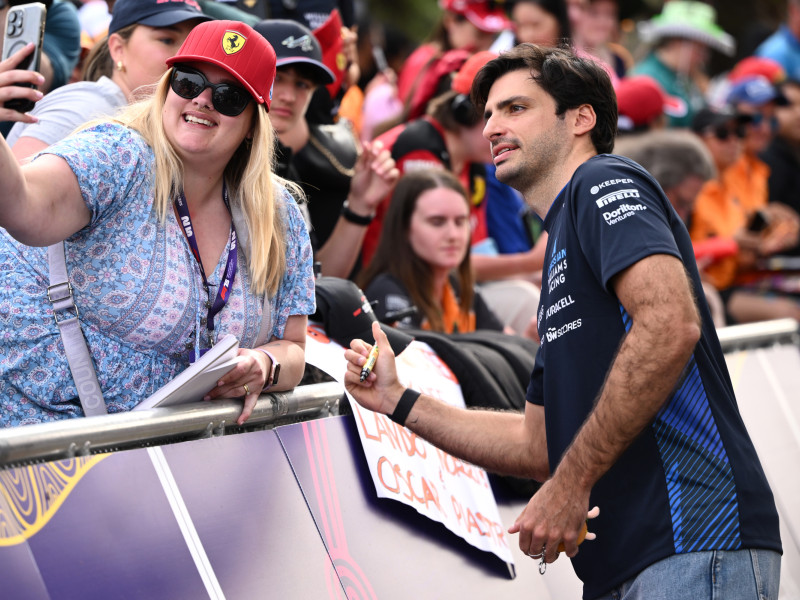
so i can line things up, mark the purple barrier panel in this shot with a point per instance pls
(21, 579)
(103, 529)
(251, 517)
(379, 547)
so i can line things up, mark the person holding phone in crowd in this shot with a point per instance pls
(175, 231)
(121, 68)
(10, 77)
(630, 407)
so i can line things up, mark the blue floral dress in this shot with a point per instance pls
(136, 284)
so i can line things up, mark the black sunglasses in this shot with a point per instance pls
(723, 132)
(228, 99)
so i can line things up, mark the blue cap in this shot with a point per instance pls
(154, 13)
(756, 90)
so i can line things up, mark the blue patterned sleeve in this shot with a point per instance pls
(111, 164)
(296, 294)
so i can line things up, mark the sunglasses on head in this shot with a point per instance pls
(228, 99)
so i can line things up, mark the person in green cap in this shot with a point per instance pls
(681, 37)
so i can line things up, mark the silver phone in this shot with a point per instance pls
(24, 24)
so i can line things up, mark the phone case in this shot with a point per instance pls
(24, 24)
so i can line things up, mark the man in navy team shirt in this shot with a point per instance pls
(630, 406)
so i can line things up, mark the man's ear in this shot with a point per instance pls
(584, 119)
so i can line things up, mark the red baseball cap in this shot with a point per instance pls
(486, 15)
(237, 48)
(756, 65)
(641, 99)
(462, 82)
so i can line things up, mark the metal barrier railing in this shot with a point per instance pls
(78, 437)
(750, 335)
(137, 429)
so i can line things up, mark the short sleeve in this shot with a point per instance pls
(296, 293)
(620, 215)
(111, 164)
(535, 392)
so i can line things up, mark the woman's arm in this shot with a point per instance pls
(40, 203)
(255, 366)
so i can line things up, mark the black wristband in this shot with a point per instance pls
(404, 406)
(354, 218)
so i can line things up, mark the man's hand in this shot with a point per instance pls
(381, 390)
(555, 515)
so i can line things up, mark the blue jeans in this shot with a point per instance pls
(709, 575)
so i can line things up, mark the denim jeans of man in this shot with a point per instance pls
(710, 575)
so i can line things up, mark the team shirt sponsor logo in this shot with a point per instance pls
(554, 333)
(616, 196)
(623, 212)
(559, 304)
(596, 188)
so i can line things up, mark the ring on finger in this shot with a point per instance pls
(246, 389)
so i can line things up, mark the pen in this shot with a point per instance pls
(372, 357)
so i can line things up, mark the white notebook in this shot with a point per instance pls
(192, 384)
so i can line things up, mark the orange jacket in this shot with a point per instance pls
(724, 206)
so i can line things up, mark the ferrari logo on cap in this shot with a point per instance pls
(232, 42)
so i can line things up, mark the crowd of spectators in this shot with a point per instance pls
(357, 107)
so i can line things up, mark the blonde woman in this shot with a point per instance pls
(175, 230)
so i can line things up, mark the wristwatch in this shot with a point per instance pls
(274, 371)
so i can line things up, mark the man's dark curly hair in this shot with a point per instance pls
(569, 79)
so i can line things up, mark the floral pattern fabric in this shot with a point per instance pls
(136, 284)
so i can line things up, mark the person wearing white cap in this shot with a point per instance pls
(681, 37)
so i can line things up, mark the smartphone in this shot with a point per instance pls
(24, 24)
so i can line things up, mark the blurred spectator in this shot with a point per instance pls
(755, 98)
(543, 22)
(61, 47)
(94, 17)
(423, 258)
(471, 25)
(143, 34)
(783, 46)
(599, 32)
(783, 153)
(682, 165)
(343, 183)
(450, 137)
(681, 37)
(643, 105)
(752, 66)
(726, 209)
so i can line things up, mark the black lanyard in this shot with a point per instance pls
(231, 264)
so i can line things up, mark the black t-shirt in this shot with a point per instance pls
(392, 297)
(691, 481)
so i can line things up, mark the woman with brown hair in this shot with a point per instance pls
(422, 259)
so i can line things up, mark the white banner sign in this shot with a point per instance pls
(405, 467)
